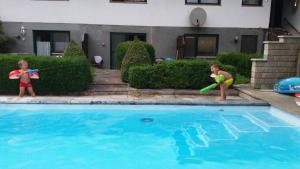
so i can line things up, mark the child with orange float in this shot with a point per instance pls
(25, 82)
(25, 75)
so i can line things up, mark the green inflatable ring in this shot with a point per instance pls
(220, 78)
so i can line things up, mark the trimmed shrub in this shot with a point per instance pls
(120, 53)
(123, 47)
(150, 49)
(136, 55)
(241, 61)
(57, 75)
(183, 74)
(74, 50)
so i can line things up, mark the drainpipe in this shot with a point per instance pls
(298, 65)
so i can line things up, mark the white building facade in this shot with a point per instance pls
(100, 25)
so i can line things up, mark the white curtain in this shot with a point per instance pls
(43, 48)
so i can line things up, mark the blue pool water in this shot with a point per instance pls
(147, 137)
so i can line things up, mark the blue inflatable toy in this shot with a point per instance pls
(290, 85)
(168, 58)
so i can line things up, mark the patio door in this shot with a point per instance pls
(117, 38)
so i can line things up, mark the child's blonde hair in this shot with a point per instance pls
(215, 66)
(21, 62)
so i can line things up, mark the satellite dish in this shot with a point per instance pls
(198, 16)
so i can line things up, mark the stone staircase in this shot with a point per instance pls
(228, 128)
(108, 82)
(273, 33)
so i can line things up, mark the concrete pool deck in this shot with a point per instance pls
(130, 99)
(247, 97)
(284, 102)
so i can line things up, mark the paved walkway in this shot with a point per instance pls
(284, 102)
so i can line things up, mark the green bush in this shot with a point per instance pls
(136, 55)
(240, 79)
(120, 53)
(241, 61)
(74, 50)
(57, 75)
(123, 47)
(183, 74)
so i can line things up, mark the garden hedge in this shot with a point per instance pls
(123, 47)
(179, 74)
(241, 61)
(57, 75)
(136, 55)
(74, 50)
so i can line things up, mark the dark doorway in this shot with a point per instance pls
(85, 44)
(249, 44)
(117, 38)
(276, 13)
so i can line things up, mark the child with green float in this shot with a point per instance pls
(222, 79)
(224, 82)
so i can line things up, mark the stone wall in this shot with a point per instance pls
(281, 60)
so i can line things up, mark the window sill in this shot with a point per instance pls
(128, 2)
(201, 57)
(57, 54)
(206, 4)
(248, 5)
(206, 57)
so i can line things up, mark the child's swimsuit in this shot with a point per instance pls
(228, 82)
(26, 85)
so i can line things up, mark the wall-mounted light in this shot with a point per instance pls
(23, 32)
(236, 39)
(296, 3)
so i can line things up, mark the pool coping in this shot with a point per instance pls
(283, 102)
(129, 101)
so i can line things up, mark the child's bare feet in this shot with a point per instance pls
(22, 92)
(31, 92)
(221, 99)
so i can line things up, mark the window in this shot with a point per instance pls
(201, 45)
(48, 43)
(252, 2)
(207, 2)
(129, 1)
(249, 44)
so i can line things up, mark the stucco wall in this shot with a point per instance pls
(163, 38)
(170, 13)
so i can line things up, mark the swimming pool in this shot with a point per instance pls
(147, 137)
